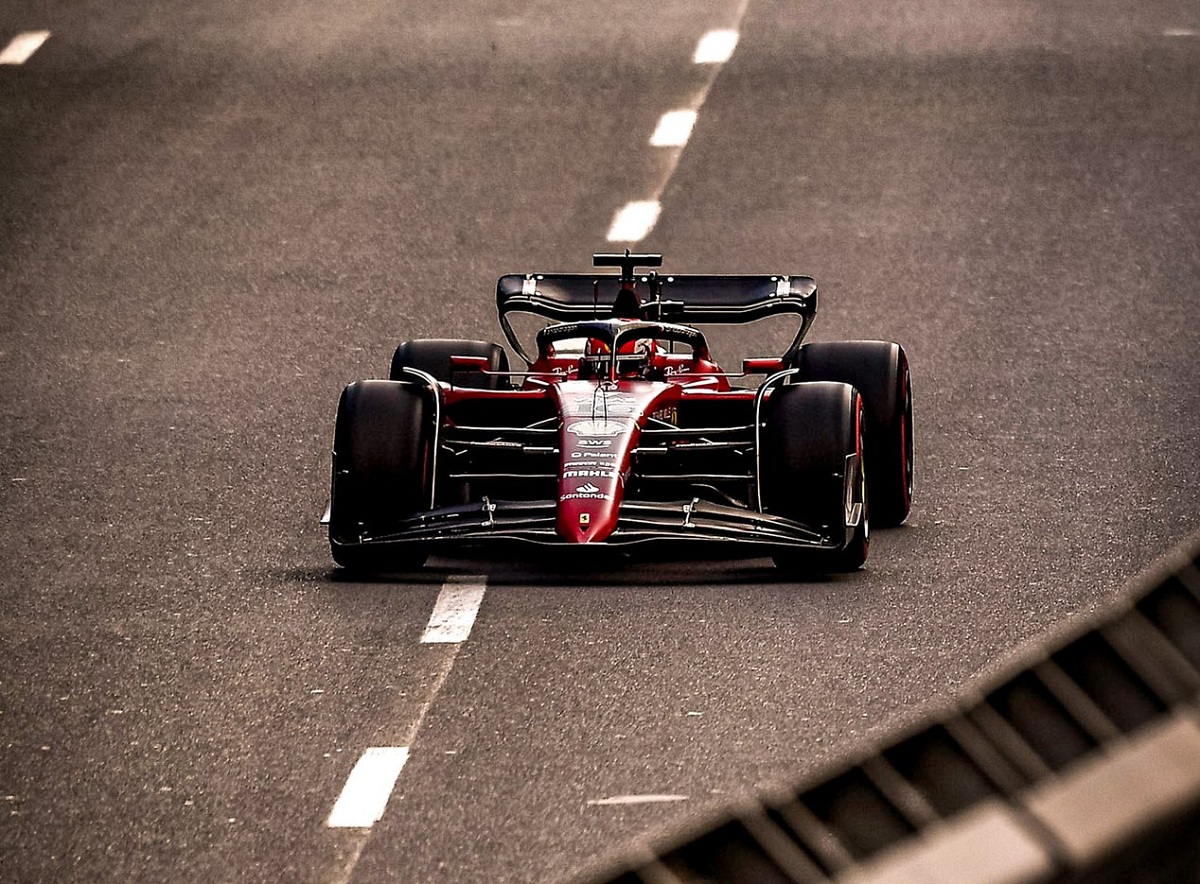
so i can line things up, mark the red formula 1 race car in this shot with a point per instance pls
(622, 433)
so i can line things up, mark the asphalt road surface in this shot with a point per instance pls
(214, 215)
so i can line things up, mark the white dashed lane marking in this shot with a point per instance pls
(674, 128)
(365, 795)
(634, 221)
(21, 47)
(454, 611)
(367, 789)
(716, 47)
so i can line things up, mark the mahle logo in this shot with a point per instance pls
(585, 472)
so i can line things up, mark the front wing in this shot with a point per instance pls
(707, 530)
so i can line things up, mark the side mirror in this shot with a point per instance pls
(762, 365)
(471, 363)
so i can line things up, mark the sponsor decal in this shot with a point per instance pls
(599, 427)
(595, 443)
(594, 455)
(574, 330)
(669, 414)
(589, 474)
(587, 491)
(853, 508)
(585, 519)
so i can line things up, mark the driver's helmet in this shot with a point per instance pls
(595, 347)
(633, 357)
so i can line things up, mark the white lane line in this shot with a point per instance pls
(716, 47)
(618, 800)
(368, 788)
(674, 128)
(22, 46)
(1180, 32)
(365, 795)
(454, 611)
(634, 221)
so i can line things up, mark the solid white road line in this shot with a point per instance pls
(674, 128)
(715, 47)
(454, 611)
(368, 788)
(634, 221)
(22, 46)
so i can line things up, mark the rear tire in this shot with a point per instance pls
(381, 453)
(879, 370)
(432, 356)
(813, 433)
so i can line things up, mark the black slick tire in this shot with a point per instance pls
(879, 370)
(812, 436)
(381, 471)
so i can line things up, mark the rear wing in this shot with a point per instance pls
(685, 299)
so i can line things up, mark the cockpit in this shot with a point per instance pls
(610, 349)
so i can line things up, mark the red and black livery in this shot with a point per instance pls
(621, 432)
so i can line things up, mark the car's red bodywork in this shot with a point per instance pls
(621, 430)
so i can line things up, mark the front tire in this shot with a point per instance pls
(381, 471)
(812, 471)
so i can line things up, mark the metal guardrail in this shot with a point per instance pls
(1080, 764)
